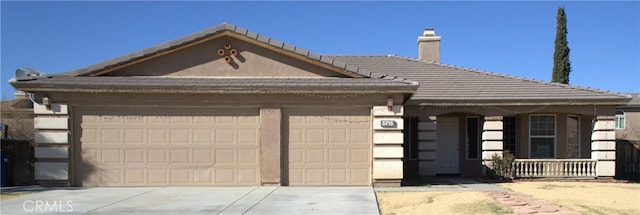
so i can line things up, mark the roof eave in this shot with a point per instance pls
(467, 103)
(223, 90)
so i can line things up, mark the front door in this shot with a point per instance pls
(447, 152)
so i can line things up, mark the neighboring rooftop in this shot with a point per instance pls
(635, 100)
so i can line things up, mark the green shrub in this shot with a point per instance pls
(501, 166)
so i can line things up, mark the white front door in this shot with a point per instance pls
(447, 152)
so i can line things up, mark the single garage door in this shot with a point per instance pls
(328, 147)
(168, 147)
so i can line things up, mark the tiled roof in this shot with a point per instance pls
(439, 84)
(17, 104)
(208, 85)
(204, 34)
(635, 100)
(445, 84)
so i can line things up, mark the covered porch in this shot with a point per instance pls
(546, 141)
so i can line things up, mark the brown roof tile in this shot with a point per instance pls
(446, 84)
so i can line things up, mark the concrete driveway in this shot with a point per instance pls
(195, 200)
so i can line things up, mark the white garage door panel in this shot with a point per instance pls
(329, 147)
(169, 147)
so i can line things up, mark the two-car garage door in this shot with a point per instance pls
(197, 147)
(169, 147)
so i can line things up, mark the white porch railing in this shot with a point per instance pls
(554, 168)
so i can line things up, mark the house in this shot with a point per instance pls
(627, 127)
(627, 120)
(17, 118)
(17, 141)
(230, 107)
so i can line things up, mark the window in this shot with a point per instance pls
(411, 138)
(542, 135)
(573, 136)
(619, 118)
(473, 138)
(509, 134)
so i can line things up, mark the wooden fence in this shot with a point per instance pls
(628, 160)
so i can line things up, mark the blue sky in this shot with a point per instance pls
(514, 38)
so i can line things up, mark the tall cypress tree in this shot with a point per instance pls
(561, 62)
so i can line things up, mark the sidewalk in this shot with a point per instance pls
(520, 203)
(437, 184)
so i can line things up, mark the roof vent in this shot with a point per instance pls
(28, 73)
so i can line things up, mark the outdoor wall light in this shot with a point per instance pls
(390, 104)
(46, 102)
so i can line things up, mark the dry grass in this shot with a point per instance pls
(585, 197)
(461, 202)
(6, 196)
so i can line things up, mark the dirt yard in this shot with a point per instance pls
(585, 197)
(6, 196)
(460, 202)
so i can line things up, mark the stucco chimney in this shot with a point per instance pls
(429, 46)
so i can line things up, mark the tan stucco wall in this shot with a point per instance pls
(221, 100)
(203, 61)
(270, 106)
(632, 126)
(270, 150)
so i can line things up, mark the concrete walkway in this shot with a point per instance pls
(520, 203)
(193, 200)
(444, 184)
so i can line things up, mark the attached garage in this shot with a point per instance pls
(328, 147)
(221, 107)
(168, 147)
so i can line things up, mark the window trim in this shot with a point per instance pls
(555, 135)
(617, 118)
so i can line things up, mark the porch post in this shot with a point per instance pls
(491, 140)
(427, 147)
(387, 145)
(603, 146)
